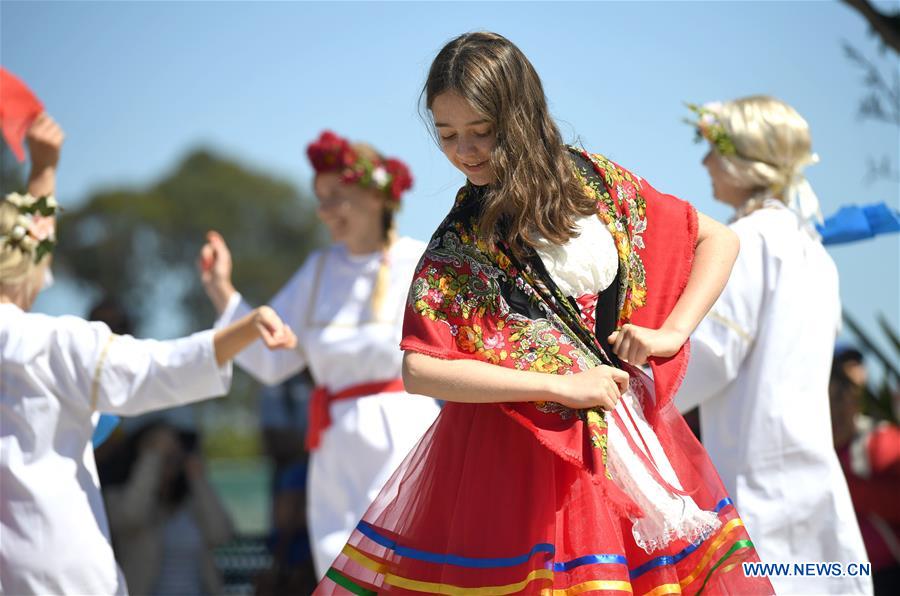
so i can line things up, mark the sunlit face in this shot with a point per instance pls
(466, 136)
(724, 188)
(347, 210)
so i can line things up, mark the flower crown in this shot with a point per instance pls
(709, 127)
(332, 153)
(34, 228)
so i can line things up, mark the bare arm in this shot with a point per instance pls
(262, 323)
(715, 253)
(45, 139)
(473, 381)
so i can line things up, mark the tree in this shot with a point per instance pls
(139, 246)
(885, 25)
(131, 242)
(881, 102)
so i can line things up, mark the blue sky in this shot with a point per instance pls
(138, 84)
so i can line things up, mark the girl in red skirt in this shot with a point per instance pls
(557, 466)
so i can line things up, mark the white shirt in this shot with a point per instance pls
(759, 370)
(56, 375)
(327, 303)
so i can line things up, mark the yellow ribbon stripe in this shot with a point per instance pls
(664, 589)
(708, 555)
(607, 585)
(361, 559)
(450, 590)
(729, 568)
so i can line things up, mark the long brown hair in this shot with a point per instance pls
(536, 193)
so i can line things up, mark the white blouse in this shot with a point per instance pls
(586, 264)
(56, 375)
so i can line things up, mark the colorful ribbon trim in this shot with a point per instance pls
(545, 574)
(440, 588)
(369, 532)
(739, 545)
(676, 558)
(348, 584)
(590, 560)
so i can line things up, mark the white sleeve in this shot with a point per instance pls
(722, 340)
(274, 366)
(119, 374)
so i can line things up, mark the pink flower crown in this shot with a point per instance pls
(332, 153)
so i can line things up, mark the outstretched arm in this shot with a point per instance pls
(262, 323)
(267, 366)
(45, 139)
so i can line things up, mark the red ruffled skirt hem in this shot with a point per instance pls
(482, 507)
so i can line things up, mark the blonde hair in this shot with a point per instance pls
(388, 227)
(19, 273)
(772, 145)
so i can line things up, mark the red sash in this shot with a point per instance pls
(320, 402)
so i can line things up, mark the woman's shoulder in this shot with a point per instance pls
(30, 333)
(40, 324)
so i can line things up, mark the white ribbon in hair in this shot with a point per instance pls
(800, 196)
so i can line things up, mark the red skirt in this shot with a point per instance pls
(481, 507)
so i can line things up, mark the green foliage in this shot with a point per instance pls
(126, 242)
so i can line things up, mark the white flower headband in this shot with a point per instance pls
(34, 230)
(798, 193)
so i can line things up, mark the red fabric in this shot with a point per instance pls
(668, 256)
(884, 451)
(480, 486)
(875, 496)
(18, 109)
(320, 402)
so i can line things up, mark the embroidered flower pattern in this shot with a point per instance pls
(626, 219)
(470, 287)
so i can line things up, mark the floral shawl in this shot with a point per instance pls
(470, 301)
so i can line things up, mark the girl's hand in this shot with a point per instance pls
(272, 330)
(635, 344)
(601, 387)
